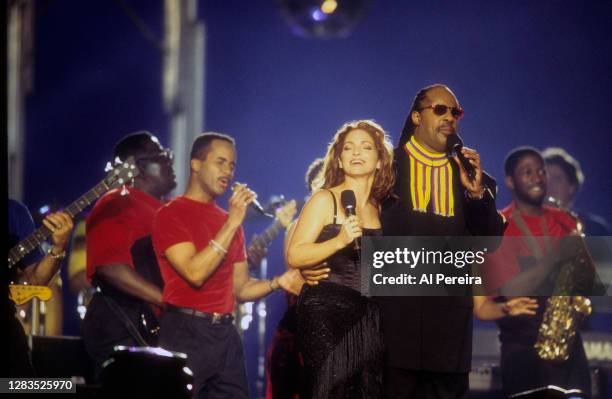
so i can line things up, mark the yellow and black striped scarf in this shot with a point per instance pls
(431, 179)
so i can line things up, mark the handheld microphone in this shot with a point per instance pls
(349, 202)
(254, 204)
(454, 144)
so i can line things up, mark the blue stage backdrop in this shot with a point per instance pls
(527, 73)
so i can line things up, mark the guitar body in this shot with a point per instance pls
(145, 263)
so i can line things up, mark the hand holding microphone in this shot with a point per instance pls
(252, 198)
(238, 203)
(454, 147)
(351, 228)
(469, 164)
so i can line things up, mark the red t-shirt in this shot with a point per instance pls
(503, 264)
(186, 220)
(115, 222)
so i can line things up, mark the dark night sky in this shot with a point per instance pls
(526, 72)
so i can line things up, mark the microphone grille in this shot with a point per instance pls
(347, 199)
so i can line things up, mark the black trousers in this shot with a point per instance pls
(408, 384)
(214, 354)
(103, 330)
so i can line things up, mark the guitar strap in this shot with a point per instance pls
(528, 237)
(129, 325)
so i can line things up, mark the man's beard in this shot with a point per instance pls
(539, 201)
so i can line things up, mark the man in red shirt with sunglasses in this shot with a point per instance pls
(118, 240)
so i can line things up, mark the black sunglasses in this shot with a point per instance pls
(441, 109)
(165, 154)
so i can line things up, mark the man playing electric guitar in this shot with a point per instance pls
(118, 231)
(32, 269)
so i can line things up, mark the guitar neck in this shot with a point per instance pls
(41, 234)
(265, 239)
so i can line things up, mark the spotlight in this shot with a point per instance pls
(329, 6)
(322, 19)
(245, 322)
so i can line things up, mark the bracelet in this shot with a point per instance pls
(58, 256)
(217, 247)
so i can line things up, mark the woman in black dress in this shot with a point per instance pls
(338, 329)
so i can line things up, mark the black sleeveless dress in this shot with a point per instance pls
(338, 330)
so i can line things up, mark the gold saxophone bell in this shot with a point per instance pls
(564, 314)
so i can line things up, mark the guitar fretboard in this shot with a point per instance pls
(268, 235)
(41, 234)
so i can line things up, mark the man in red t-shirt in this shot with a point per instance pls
(201, 252)
(118, 228)
(524, 266)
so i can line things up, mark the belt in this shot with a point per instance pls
(213, 318)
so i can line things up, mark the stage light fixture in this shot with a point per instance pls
(329, 6)
(323, 19)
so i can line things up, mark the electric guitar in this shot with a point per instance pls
(284, 216)
(256, 252)
(22, 293)
(120, 174)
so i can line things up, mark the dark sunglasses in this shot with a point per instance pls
(441, 109)
(165, 154)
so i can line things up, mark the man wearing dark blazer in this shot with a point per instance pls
(429, 339)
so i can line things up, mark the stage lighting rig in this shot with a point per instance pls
(323, 19)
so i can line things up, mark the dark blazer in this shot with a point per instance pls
(433, 333)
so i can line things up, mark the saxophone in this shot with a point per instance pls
(564, 313)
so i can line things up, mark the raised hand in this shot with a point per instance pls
(473, 186)
(238, 203)
(60, 224)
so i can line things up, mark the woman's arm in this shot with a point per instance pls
(302, 251)
(486, 309)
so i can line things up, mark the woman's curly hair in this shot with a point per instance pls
(384, 177)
